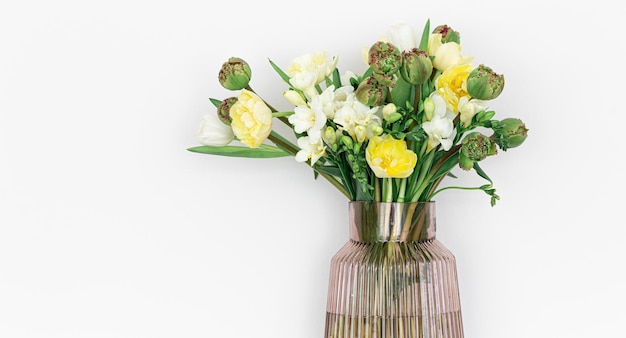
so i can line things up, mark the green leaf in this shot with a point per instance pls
(484, 116)
(401, 92)
(425, 35)
(481, 172)
(280, 72)
(367, 73)
(263, 151)
(331, 170)
(446, 167)
(216, 102)
(336, 78)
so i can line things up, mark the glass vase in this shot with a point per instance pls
(393, 278)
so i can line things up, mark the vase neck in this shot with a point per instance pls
(392, 221)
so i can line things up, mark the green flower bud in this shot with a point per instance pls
(235, 74)
(475, 147)
(384, 58)
(390, 113)
(394, 117)
(416, 66)
(223, 110)
(377, 130)
(484, 84)
(464, 162)
(385, 80)
(429, 108)
(346, 141)
(330, 136)
(511, 133)
(389, 109)
(370, 92)
(447, 34)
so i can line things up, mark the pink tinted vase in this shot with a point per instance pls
(393, 278)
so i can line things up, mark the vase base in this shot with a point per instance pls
(448, 325)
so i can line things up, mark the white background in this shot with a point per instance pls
(109, 227)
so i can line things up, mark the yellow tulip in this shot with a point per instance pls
(390, 158)
(452, 85)
(251, 119)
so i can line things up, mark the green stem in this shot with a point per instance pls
(418, 97)
(389, 189)
(425, 174)
(456, 187)
(402, 190)
(377, 189)
(282, 114)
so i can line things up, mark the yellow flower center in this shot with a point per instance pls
(452, 85)
(390, 158)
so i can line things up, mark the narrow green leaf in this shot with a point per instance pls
(331, 170)
(263, 151)
(216, 102)
(446, 167)
(481, 172)
(280, 72)
(336, 78)
(425, 35)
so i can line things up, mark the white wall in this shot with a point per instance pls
(110, 228)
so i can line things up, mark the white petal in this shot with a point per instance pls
(213, 132)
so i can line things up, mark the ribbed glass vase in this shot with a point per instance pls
(393, 278)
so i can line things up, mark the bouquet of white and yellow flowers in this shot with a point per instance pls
(391, 134)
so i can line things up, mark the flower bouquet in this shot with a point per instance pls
(391, 134)
(386, 138)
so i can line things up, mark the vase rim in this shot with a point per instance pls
(392, 221)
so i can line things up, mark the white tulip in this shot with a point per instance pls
(213, 132)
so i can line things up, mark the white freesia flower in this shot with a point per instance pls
(309, 120)
(310, 149)
(308, 70)
(401, 36)
(325, 102)
(440, 129)
(213, 132)
(305, 81)
(469, 107)
(346, 76)
(360, 121)
(441, 108)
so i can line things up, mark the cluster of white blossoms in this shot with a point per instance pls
(340, 106)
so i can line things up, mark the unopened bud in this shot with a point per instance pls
(429, 108)
(389, 109)
(476, 146)
(512, 132)
(370, 92)
(223, 110)
(347, 141)
(447, 34)
(484, 84)
(416, 66)
(361, 133)
(330, 135)
(294, 98)
(377, 130)
(235, 74)
(384, 58)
